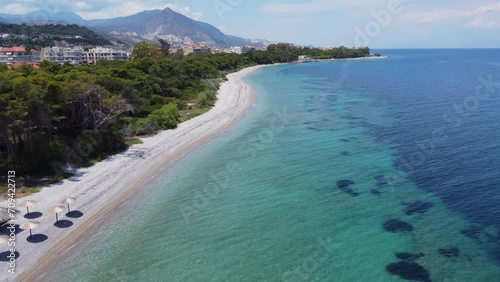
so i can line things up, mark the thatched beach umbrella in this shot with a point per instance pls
(5, 214)
(27, 204)
(56, 210)
(30, 225)
(67, 201)
(4, 239)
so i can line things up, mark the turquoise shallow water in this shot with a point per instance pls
(261, 202)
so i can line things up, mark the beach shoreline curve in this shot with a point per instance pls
(112, 182)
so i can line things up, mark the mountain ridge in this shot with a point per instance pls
(150, 24)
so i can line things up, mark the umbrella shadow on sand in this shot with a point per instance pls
(6, 256)
(33, 215)
(37, 238)
(74, 214)
(63, 223)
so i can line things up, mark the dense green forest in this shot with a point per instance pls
(76, 115)
(40, 36)
(290, 51)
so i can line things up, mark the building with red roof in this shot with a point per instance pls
(19, 64)
(18, 54)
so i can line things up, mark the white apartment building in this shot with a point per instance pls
(73, 55)
(97, 54)
(76, 55)
(238, 49)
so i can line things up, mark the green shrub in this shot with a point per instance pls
(206, 99)
(133, 141)
(166, 117)
(143, 126)
(61, 177)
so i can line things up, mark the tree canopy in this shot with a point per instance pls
(39, 36)
(69, 115)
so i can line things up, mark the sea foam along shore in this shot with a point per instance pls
(104, 187)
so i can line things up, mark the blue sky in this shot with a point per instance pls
(376, 23)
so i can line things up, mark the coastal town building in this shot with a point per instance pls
(77, 55)
(304, 59)
(34, 65)
(217, 50)
(74, 55)
(97, 54)
(18, 54)
(238, 50)
(196, 49)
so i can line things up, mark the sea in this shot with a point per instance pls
(348, 170)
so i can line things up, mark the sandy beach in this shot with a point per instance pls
(102, 188)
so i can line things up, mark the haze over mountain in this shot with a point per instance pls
(166, 24)
(42, 17)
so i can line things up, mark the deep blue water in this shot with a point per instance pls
(305, 186)
(447, 133)
(446, 110)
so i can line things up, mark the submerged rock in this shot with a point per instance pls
(473, 232)
(345, 140)
(381, 180)
(417, 207)
(450, 253)
(344, 153)
(313, 128)
(344, 183)
(409, 271)
(396, 225)
(344, 186)
(376, 192)
(409, 256)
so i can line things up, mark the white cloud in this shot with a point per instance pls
(95, 9)
(483, 24)
(223, 28)
(319, 6)
(186, 11)
(482, 17)
(17, 9)
(445, 15)
(81, 5)
(493, 7)
(127, 8)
